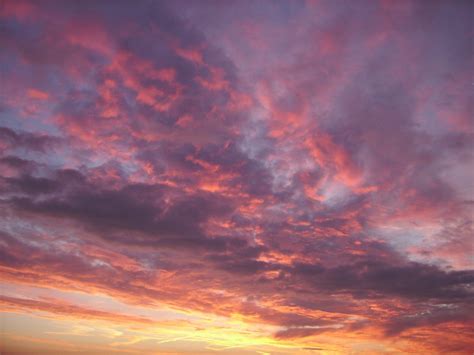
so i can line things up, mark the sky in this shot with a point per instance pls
(236, 177)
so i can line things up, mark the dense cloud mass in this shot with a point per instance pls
(239, 177)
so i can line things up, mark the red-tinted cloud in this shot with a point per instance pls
(312, 184)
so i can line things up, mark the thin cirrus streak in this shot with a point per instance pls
(238, 177)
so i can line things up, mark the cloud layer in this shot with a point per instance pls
(290, 175)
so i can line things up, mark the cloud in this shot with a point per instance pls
(10, 139)
(68, 310)
(432, 317)
(310, 185)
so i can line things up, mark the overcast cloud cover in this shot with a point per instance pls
(236, 177)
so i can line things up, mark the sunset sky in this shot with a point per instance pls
(236, 177)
